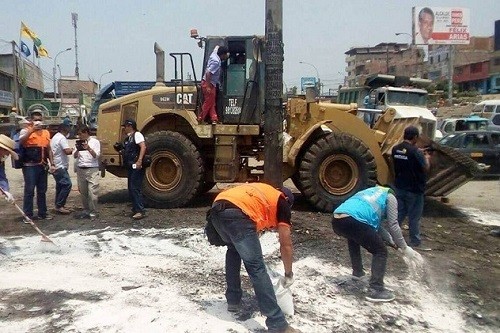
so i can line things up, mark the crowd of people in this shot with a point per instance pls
(38, 155)
(372, 218)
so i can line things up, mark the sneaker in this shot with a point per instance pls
(27, 221)
(92, 216)
(82, 215)
(376, 296)
(138, 216)
(358, 276)
(234, 307)
(62, 210)
(46, 217)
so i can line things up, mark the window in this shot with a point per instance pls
(496, 119)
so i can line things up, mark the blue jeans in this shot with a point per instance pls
(412, 205)
(239, 232)
(35, 176)
(63, 186)
(134, 183)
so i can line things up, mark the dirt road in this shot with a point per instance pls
(115, 274)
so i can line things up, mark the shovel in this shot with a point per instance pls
(30, 221)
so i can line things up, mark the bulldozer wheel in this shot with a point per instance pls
(334, 168)
(176, 172)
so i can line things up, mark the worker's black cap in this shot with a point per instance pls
(129, 122)
(288, 195)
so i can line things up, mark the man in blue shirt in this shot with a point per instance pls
(209, 83)
(367, 219)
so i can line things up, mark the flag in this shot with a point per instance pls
(27, 32)
(40, 51)
(38, 48)
(25, 49)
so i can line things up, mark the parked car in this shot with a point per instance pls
(481, 146)
(471, 123)
(490, 110)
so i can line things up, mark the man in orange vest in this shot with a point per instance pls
(239, 215)
(37, 161)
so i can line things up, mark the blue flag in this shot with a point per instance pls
(25, 49)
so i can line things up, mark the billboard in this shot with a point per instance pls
(440, 25)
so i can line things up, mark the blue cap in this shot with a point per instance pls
(288, 194)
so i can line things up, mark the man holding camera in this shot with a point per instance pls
(37, 161)
(133, 150)
(88, 150)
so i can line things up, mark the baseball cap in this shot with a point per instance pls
(288, 194)
(129, 122)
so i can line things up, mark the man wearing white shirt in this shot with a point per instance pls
(88, 150)
(133, 154)
(60, 150)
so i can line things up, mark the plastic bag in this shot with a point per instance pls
(283, 295)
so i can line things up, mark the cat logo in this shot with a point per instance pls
(184, 98)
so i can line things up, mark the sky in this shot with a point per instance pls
(119, 35)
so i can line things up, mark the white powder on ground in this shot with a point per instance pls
(152, 280)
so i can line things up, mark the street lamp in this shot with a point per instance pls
(100, 78)
(317, 75)
(54, 70)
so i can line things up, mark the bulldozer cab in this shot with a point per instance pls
(240, 99)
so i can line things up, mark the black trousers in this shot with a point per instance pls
(360, 234)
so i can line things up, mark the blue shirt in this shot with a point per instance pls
(368, 206)
(4, 183)
(213, 66)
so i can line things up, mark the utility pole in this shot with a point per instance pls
(273, 113)
(74, 19)
(450, 73)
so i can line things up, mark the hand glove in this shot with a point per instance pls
(287, 280)
(410, 253)
(9, 197)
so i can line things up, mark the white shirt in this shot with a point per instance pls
(85, 159)
(57, 144)
(138, 137)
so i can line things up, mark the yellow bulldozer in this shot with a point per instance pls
(329, 152)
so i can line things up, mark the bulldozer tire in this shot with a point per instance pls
(176, 172)
(334, 168)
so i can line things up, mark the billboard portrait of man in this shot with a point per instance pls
(425, 26)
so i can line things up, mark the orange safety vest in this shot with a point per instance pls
(258, 201)
(41, 139)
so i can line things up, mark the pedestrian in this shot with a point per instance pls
(6, 149)
(134, 149)
(13, 121)
(87, 152)
(60, 150)
(410, 167)
(367, 219)
(210, 83)
(239, 215)
(37, 161)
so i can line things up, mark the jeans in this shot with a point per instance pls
(134, 183)
(63, 186)
(412, 205)
(360, 234)
(35, 177)
(239, 232)
(88, 185)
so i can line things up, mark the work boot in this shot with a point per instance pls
(377, 296)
